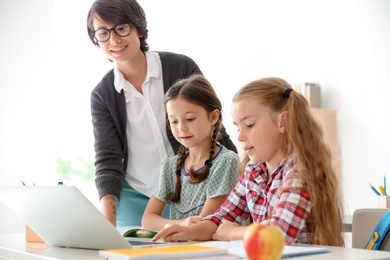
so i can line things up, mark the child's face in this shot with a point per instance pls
(119, 49)
(191, 125)
(260, 131)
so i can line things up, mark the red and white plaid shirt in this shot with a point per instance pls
(282, 202)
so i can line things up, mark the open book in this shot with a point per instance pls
(237, 248)
(142, 237)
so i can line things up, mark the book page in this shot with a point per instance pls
(237, 248)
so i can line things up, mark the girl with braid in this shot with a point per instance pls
(289, 180)
(197, 180)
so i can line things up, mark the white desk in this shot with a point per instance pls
(13, 246)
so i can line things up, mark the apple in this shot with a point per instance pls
(263, 242)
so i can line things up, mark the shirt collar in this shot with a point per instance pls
(260, 172)
(153, 72)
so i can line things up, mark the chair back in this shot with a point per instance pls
(364, 222)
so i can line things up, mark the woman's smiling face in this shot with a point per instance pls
(116, 48)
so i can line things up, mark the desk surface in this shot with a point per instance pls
(13, 246)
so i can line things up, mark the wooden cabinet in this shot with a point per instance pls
(328, 121)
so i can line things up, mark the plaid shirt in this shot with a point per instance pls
(281, 202)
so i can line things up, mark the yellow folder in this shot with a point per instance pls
(163, 252)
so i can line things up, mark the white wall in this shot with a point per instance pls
(343, 45)
(48, 68)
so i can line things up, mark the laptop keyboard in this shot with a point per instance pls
(141, 243)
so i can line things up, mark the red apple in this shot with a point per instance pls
(263, 242)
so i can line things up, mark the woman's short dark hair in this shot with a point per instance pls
(119, 12)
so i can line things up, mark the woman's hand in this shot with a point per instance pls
(229, 231)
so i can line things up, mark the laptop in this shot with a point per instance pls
(63, 216)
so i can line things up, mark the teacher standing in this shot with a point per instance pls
(127, 106)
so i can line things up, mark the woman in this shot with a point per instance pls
(127, 106)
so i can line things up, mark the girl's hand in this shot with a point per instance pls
(229, 231)
(190, 220)
(171, 233)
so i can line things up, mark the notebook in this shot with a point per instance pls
(63, 216)
(170, 252)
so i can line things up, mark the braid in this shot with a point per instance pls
(181, 155)
(217, 130)
(198, 177)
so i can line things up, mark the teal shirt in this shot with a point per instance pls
(222, 178)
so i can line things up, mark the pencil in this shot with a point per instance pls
(382, 190)
(375, 190)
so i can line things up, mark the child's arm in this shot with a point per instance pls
(152, 218)
(211, 205)
(201, 231)
(293, 208)
(229, 231)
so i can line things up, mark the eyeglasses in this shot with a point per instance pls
(104, 34)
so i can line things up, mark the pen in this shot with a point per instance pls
(384, 183)
(382, 190)
(375, 190)
(24, 184)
